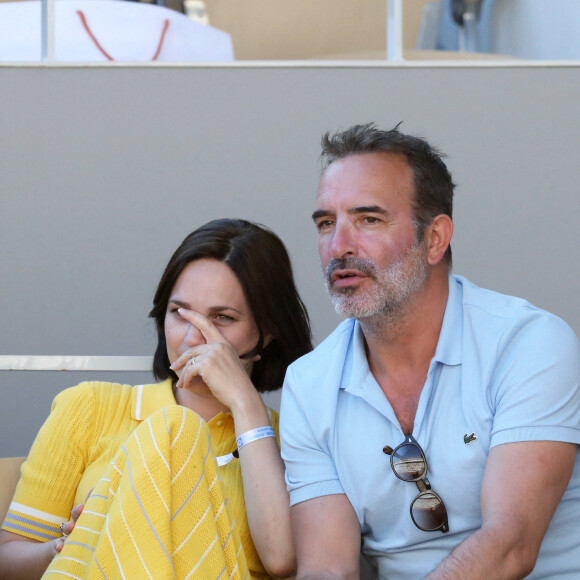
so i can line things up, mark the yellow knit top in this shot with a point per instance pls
(86, 427)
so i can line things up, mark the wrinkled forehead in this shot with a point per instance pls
(367, 179)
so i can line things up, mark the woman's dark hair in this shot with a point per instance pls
(261, 263)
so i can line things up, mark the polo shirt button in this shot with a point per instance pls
(220, 423)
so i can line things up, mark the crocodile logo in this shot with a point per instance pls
(467, 439)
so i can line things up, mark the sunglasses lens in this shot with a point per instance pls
(409, 463)
(428, 511)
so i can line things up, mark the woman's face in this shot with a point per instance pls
(210, 288)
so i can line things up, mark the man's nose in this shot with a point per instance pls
(343, 242)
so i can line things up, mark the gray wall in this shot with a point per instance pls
(103, 171)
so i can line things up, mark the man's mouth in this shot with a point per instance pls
(348, 272)
(346, 278)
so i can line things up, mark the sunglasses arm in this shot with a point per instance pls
(423, 484)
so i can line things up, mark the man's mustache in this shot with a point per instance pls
(363, 265)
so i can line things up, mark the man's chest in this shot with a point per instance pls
(453, 433)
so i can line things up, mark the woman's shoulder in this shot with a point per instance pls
(94, 390)
(96, 394)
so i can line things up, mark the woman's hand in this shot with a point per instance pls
(23, 558)
(68, 527)
(216, 362)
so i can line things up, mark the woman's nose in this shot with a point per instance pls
(193, 336)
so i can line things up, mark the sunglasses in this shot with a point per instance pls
(409, 464)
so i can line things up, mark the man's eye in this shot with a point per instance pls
(324, 224)
(371, 219)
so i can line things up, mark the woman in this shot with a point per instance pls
(174, 493)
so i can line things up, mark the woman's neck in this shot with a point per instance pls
(201, 401)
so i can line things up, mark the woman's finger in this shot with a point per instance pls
(203, 324)
(58, 545)
(207, 329)
(76, 512)
(189, 372)
(185, 359)
(64, 529)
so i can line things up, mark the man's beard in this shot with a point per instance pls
(391, 286)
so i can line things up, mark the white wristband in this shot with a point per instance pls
(244, 439)
(254, 435)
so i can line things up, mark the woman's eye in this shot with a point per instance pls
(223, 318)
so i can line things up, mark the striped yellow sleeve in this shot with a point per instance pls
(32, 523)
(49, 477)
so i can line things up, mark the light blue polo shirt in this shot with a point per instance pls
(503, 370)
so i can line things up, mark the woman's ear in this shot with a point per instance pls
(438, 237)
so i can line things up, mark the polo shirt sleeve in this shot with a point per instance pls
(535, 391)
(50, 475)
(310, 468)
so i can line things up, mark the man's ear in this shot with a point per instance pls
(438, 237)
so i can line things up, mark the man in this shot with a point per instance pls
(480, 390)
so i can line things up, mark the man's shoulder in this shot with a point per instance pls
(333, 347)
(320, 371)
(497, 304)
(494, 312)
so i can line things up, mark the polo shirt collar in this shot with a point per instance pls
(450, 344)
(355, 367)
(357, 378)
(356, 375)
(146, 399)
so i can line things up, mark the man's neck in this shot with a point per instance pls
(400, 347)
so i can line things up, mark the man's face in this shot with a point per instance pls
(370, 256)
